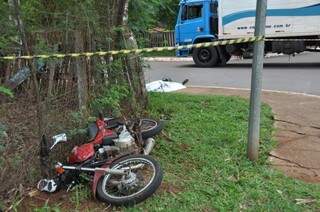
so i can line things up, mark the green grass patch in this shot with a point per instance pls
(160, 54)
(206, 166)
(47, 208)
(79, 194)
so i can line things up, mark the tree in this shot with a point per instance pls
(134, 66)
(58, 26)
(130, 72)
(147, 14)
(103, 26)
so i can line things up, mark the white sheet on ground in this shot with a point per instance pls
(164, 86)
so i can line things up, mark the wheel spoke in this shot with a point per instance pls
(140, 176)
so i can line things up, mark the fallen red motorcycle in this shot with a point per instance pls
(116, 159)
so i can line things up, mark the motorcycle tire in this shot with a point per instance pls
(152, 128)
(137, 197)
(149, 127)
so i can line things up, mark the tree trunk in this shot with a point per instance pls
(16, 14)
(133, 63)
(52, 67)
(82, 78)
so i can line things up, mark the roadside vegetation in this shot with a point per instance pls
(159, 54)
(203, 153)
(6, 91)
(147, 14)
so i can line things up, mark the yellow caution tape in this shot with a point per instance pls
(293, 40)
(137, 51)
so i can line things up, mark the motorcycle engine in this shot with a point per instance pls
(125, 142)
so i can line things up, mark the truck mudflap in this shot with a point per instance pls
(222, 57)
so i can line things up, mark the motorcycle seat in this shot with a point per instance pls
(93, 131)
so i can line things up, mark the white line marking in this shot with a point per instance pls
(168, 59)
(189, 59)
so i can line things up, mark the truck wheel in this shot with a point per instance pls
(205, 57)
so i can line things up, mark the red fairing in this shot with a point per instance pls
(81, 153)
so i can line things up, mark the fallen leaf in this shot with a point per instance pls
(33, 193)
(304, 201)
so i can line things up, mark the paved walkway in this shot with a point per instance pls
(297, 120)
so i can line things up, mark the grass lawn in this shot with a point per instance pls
(205, 165)
(205, 162)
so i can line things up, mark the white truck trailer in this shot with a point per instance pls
(295, 22)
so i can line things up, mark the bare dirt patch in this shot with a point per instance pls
(19, 148)
(170, 188)
(297, 121)
(62, 201)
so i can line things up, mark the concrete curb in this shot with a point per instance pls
(168, 59)
(264, 90)
(189, 59)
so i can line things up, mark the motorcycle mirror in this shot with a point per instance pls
(58, 139)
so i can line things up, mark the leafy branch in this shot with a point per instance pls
(6, 91)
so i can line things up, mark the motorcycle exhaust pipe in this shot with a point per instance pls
(149, 144)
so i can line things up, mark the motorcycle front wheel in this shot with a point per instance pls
(142, 181)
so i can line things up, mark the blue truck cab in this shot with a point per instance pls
(197, 22)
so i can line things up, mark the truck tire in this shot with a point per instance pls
(205, 57)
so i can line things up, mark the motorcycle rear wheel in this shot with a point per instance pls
(150, 128)
(129, 191)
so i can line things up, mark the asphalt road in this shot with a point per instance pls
(283, 73)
